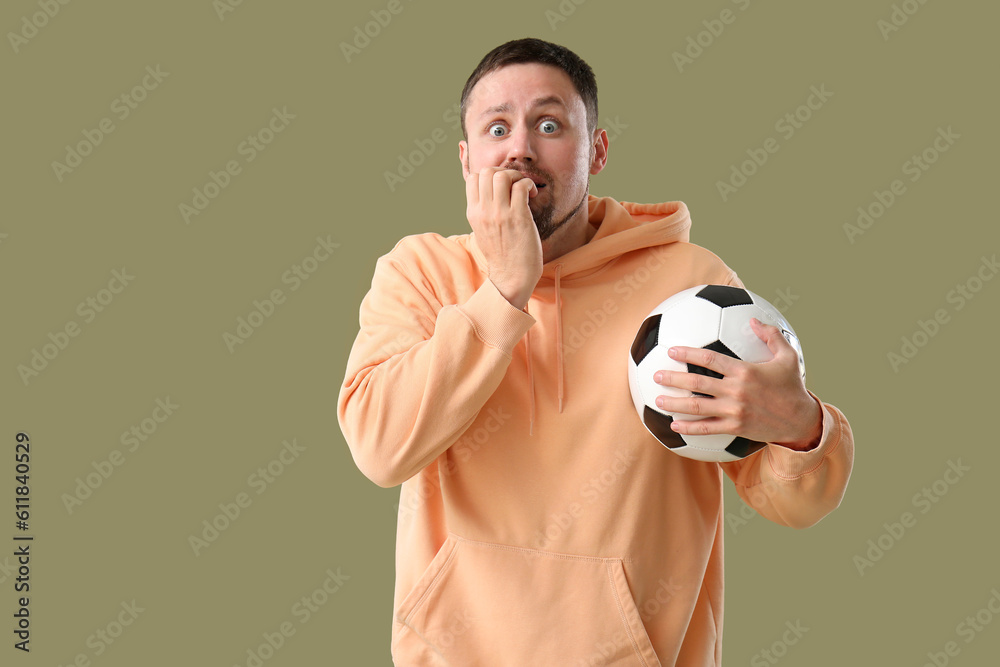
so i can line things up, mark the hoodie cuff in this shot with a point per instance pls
(495, 321)
(789, 463)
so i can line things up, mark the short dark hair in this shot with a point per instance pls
(531, 50)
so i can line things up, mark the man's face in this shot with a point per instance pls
(529, 117)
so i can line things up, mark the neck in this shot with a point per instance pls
(574, 234)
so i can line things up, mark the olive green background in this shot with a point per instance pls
(675, 134)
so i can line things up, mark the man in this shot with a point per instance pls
(539, 522)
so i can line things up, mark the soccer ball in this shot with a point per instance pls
(715, 317)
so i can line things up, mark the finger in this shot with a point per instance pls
(514, 191)
(702, 384)
(486, 189)
(707, 426)
(696, 406)
(698, 356)
(524, 189)
(472, 188)
(486, 186)
(771, 335)
(501, 184)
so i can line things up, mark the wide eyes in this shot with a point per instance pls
(499, 130)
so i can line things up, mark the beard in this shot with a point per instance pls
(543, 214)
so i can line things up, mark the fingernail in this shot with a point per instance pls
(658, 378)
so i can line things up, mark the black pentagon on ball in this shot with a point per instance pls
(659, 425)
(724, 296)
(717, 346)
(646, 339)
(742, 447)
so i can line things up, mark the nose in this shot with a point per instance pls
(521, 146)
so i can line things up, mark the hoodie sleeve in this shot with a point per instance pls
(420, 370)
(796, 488)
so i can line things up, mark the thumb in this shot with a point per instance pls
(771, 335)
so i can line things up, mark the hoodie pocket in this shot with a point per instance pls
(479, 603)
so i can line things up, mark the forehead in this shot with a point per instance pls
(519, 87)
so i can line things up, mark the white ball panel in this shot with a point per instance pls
(782, 323)
(710, 454)
(793, 340)
(710, 443)
(777, 318)
(657, 360)
(691, 323)
(672, 301)
(736, 333)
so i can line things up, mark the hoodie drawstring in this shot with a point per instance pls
(559, 338)
(559, 358)
(531, 383)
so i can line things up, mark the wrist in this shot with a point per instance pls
(811, 434)
(516, 296)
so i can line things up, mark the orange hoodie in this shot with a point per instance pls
(539, 522)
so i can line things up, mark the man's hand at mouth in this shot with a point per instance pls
(497, 210)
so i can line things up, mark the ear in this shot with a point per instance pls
(599, 151)
(463, 157)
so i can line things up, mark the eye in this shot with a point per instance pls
(549, 126)
(497, 130)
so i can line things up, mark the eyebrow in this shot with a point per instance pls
(540, 102)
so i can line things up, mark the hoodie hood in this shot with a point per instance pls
(621, 227)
